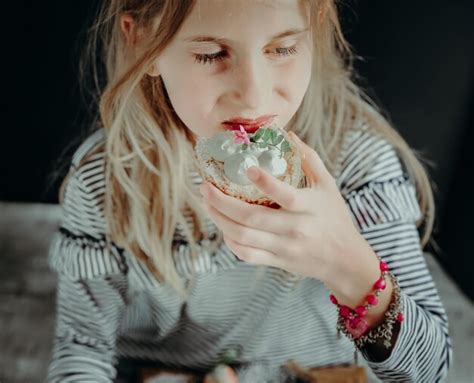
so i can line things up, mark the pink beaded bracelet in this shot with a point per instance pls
(354, 319)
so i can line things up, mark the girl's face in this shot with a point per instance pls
(238, 59)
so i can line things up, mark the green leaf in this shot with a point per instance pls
(285, 146)
(229, 356)
(273, 136)
(279, 139)
(267, 135)
(258, 134)
(262, 145)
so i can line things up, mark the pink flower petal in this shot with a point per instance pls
(241, 137)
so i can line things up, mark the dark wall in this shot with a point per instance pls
(418, 64)
(42, 109)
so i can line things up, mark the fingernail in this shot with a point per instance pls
(253, 173)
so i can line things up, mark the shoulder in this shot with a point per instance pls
(92, 145)
(374, 180)
(83, 190)
(80, 248)
(367, 157)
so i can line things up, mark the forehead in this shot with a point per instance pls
(234, 19)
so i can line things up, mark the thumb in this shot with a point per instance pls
(311, 164)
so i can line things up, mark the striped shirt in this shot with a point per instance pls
(110, 306)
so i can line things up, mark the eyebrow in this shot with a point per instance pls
(200, 39)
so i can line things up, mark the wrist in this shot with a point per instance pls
(370, 339)
(353, 268)
(352, 278)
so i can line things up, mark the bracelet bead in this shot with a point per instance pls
(354, 319)
(383, 332)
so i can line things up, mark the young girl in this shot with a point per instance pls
(153, 265)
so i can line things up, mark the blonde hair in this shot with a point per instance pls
(149, 150)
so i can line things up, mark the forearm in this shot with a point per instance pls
(351, 279)
(420, 347)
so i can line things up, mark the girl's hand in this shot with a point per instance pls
(309, 235)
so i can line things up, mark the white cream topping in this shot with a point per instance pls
(253, 149)
(221, 147)
(272, 163)
(236, 165)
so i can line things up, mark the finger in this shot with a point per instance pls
(250, 215)
(244, 235)
(253, 255)
(282, 193)
(311, 163)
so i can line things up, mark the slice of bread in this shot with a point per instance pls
(212, 170)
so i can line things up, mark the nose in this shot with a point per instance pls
(252, 81)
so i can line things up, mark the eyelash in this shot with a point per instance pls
(219, 56)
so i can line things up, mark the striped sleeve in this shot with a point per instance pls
(384, 207)
(92, 285)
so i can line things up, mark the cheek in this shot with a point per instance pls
(191, 94)
(296, 78)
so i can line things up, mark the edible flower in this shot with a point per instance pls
(241, 137)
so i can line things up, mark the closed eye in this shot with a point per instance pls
(221, 55)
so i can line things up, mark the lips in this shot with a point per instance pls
(249, 125)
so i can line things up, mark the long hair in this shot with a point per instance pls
(149, 150)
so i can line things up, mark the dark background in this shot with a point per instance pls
(418, 65)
